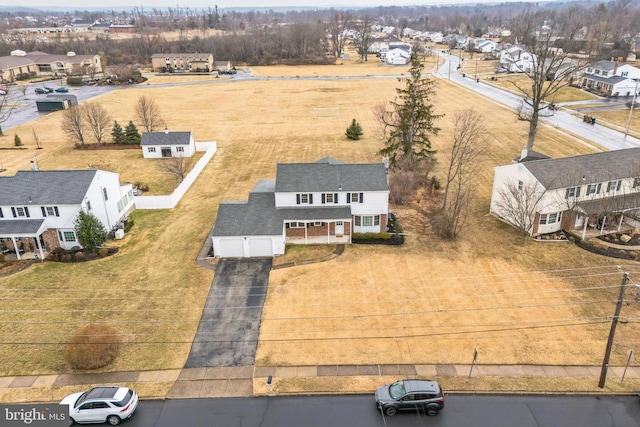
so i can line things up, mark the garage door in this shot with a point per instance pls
(231, 248)
(260, 247)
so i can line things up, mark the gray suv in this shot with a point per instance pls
(423, 395)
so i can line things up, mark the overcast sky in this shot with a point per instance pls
(229, 3)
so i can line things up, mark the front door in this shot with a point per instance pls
(339, 228)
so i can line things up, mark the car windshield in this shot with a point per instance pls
(396, 390)
(81, 399)
(126, 399)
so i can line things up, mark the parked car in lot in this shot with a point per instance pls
(501, 70)
(422, 395)
(110, 404)
(62, 89)
(41, 90)
(48, 89)
(3, 91)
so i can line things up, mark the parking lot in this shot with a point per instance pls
(25, 106)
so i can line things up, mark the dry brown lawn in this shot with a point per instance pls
(425, 302)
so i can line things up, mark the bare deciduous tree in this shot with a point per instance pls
(178, 167)
(98, 119)
(6, 108)
(73, 123)
(517, 204)
(469, 140)
(339, 22)
(363, 37)
(148, 113)
(550, 69)
(406, 178)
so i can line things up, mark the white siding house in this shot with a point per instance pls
(38, 208)
(156, 145)
(322, 202)
(597, 192)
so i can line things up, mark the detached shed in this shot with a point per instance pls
(157, 145)
(56, 102)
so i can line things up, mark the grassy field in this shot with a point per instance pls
(426, 302)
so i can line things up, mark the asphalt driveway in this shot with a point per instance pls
(228, 331)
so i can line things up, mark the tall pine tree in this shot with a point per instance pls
(131, 134)
(411, 120)
(117, 133)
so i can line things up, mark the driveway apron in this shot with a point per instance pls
(228, 331)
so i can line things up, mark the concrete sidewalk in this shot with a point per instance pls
(239, 381)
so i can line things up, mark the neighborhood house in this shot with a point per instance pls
(157, 145)
(322, 202)
(38, 208)
(585, 195)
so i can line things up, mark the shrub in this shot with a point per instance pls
(92, 256)
(66, 257)
(92, 347)
(17, 141)
(371, 236)
(79, 256)
(76, 81)
(103, 252)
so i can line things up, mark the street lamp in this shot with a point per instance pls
(633, 103)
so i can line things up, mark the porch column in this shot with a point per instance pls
(15, 248)
(584, 227)
(39, 246)
(306, 237)
(604, 220)
(329, 231)
(620, 222)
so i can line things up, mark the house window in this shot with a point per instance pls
(1, 214)
(636, 182)
(318, 223)
(304, 199)
(367, 220)
(551, 218)
(593, 189)
(296, 225)
(520, 185)
(614, 185)
(330, 198)
(20, 212)
(69, 236)
(355, 197)
(151, 149)
(88, 205)
(625, 74)
(572, 192)
(104, 192)
(180, 149)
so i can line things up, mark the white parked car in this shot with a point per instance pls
(110, 404)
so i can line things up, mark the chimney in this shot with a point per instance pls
(615, 68)
(523, 154)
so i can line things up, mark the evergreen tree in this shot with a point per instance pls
(354, 131)
(89, 230)
(410, 122)
(17, 141)
(117, 133)
(132, 136)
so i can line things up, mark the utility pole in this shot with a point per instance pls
(614, 323)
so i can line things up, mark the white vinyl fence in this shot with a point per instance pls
(170, 201)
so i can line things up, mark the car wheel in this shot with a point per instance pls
(114, 420)
(71, 421)
(432, 411)
(390, 411)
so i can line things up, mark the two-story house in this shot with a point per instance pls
(516, 59)
(597, 192)
(182, 62)
(38, 208)
(322, 202)
(611, 78)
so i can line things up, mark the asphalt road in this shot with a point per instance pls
(360, 411)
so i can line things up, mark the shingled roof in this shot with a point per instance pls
(46, 187)
(330, 176)
(165, 138)
(586, 169)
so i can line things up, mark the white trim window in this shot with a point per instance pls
(551, 218)
(180, 149)
(304, 199)
(367, 220)
(593, 189)
(297, 225)
(572, 192)
(614, 185)
(151, 149)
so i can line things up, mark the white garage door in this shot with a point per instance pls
(231, 248)
(260, 247)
